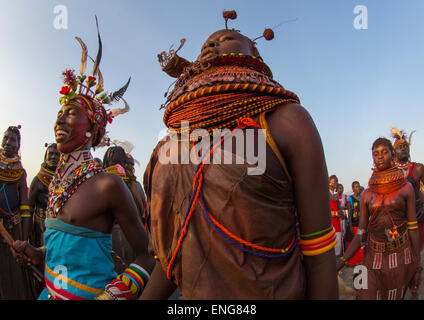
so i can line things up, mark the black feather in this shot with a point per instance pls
(117, 95)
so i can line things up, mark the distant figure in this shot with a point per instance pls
(354, 214)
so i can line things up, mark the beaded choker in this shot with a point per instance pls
(10, 168)
(232, 68)
(73, 169)
(221, 95)
(387, 181)
(45, 175)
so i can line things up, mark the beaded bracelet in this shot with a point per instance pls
(319, 239)
(128, 284)
(413, 225)
(310, 235)
(319, 245)
(343, 259)
(321, 250)
(26, 211)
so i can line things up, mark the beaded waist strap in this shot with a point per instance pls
(389, 245)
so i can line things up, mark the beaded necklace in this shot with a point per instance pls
(10, 168)
(74, 169)
(403, 166)
(45, 176)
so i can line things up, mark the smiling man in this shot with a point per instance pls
(218, 231)
(85, 202)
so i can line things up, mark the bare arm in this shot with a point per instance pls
(159, 287)
(411, 216)
(23, 200)
(291, 126)
(125, 211)
(138, 194)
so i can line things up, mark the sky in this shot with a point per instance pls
(355, 83)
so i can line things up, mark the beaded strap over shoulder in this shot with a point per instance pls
(270, 140)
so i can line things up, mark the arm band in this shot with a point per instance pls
(127, 285)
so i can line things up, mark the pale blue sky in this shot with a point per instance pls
(355, 83)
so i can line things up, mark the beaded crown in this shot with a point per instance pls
(87, 92)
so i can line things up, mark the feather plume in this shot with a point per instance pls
(117, 95)
(396, 134)
(118, 111)
(99, 75)
(99, 52)
(83, 56)
(124, 144)
(138, 163)
(410, 136)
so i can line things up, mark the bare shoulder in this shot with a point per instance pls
(108, 183)
(366, 195)
(291, 125)
(408, 188)
(420, 168)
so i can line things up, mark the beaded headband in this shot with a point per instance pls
(87, 93)
(400, 136)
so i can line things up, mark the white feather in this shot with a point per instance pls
(126, 145)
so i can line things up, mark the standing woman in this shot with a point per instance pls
(14, 208)
(388, 226)
(39, 192)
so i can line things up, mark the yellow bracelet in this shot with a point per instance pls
(321, 250)
(318, 240)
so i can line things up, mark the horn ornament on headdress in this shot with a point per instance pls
(89, 95)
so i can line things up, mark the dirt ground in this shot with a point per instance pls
(347, 275)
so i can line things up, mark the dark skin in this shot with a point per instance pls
(136, 191)
(402, 152)
(114, 201)
(356, 191)
(139, 197)
(10, 145)
(291, 126)
(37, 189)
(340, 190)
(402, 200)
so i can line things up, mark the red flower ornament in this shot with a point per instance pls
(65, 90)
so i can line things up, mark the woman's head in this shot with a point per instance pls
(382, 153)
(51, 157)
(11, 142)
(115, 155)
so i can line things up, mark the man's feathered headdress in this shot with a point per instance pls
(400, 136)
(88, 94)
